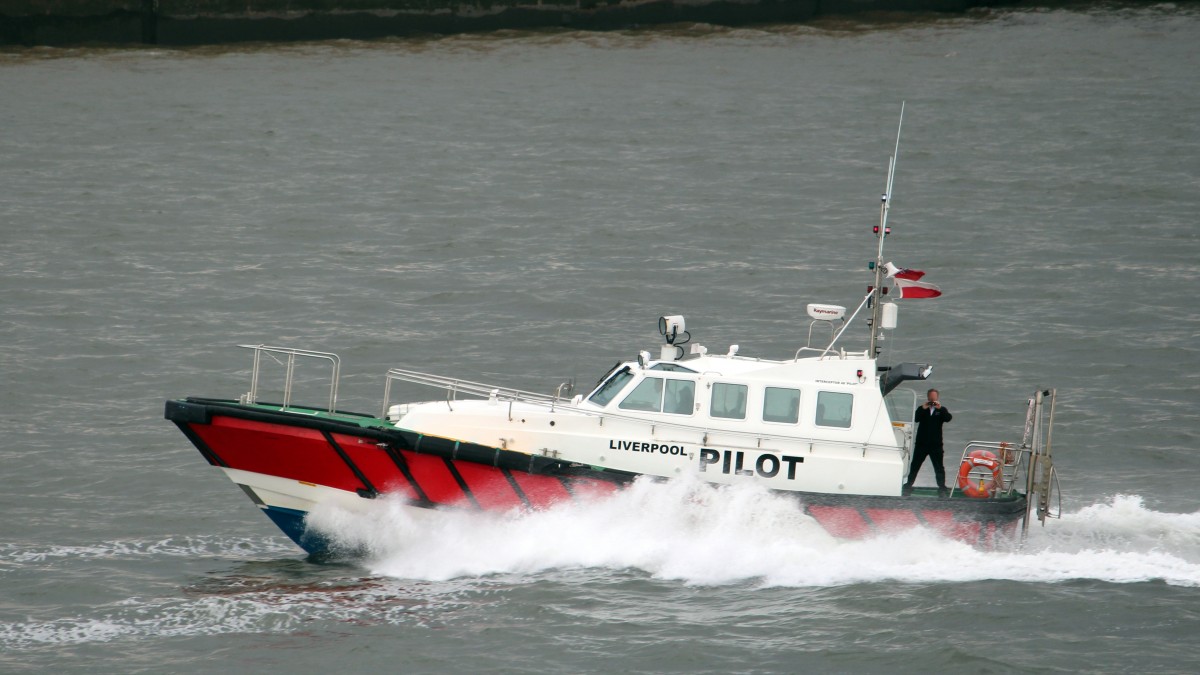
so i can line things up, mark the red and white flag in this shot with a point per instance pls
(915, 289)
(894, 272)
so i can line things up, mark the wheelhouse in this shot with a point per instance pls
(776, 396)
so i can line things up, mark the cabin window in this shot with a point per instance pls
(656, 394)
(728, 401)
(646, 396)
(610, 389)
(834, 409)
(680, 397)
(781, 405)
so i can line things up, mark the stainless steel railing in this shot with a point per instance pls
(1011, 459)
(290, 367)
(1029, 463)
(456, 386)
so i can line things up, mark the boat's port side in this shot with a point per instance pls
(289, 460)
(978, 522)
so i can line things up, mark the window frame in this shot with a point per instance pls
(799, 401)
(745, 401)
(662, 395)
(817, 409)
(691, 408)
(624, 371)
(662, 387)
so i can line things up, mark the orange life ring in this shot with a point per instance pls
(980, 458)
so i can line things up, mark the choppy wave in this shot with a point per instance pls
(263, 586)
(703, 535)
(226, 547)
(244, 605)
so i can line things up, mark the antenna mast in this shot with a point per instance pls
(881, 232)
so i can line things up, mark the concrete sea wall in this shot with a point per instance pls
(185, 22)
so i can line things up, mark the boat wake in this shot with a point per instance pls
(705, 535)
(428, 567)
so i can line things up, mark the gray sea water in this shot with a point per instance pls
(520, 208)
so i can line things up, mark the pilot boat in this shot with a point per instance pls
(830, 427)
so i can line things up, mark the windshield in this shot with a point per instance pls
(610, 389)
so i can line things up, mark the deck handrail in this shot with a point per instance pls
(454, 386)
(292, 353)
(1011, 456)
(823, 352)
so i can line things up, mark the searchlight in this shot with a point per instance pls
(674, 330)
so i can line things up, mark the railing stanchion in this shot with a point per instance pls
(287, 379)
(290, 370)
(387, 395)
(254, 376)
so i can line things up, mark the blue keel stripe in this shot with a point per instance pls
(291, 521)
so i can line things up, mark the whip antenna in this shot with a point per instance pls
(881, 231)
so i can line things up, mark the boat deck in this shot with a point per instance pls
(932, 493)
(363, 420)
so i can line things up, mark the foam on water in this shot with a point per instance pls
(704, 535)
(269, 608)
(12, 555)
(260, 593)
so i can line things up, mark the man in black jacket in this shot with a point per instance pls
(929, 418)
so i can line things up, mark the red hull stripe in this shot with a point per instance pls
(379, 465)
(841, 521)
(462, 484)
(541, 491)
(967, 531)
(435, 480)
(368, 490)
(947, 526)
(397, 458)
(275, 450)
(208, 453)
(891, 520)
(279, 430)
(512, 483)
(589, 488)
(489, 485)
(943, 521)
